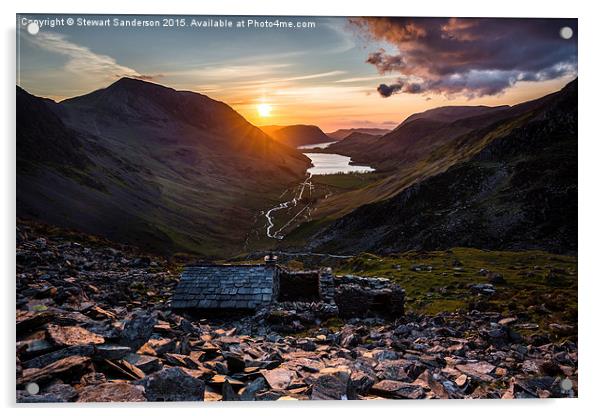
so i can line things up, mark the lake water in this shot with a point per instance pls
(330, 163)
(316, 145)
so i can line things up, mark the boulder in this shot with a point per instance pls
(172, 385)
(361, 382)
(137, 330)
(496, 278)
(483, 288)
(332, 384)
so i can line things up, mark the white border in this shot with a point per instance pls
(590, 153)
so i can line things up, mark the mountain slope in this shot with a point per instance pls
(423, 148)
(421, 134)
(341, 134)
(449, 114)
(162, 169)
(297, 135)
(519, 191)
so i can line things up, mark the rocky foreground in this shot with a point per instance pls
(93, 324)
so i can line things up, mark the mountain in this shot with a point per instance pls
(518, 192)
(421, 134)
(341, 134)
(420, 148)
(449, 114)
(297, 135)
(354, 144)
(145, 164)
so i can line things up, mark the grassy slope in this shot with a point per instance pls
(540, 287)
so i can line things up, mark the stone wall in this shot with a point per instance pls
(357, 296)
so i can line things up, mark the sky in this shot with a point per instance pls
(340, 73)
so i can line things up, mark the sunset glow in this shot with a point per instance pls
(264, 110)
(341, 74)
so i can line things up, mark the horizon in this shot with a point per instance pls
(304, 124)
(344, 73)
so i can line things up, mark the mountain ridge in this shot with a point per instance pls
(342, 134)
(518, 192)
(159, 171)
(297, 134)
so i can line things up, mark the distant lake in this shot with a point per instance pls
(330, 163)
(316, 145)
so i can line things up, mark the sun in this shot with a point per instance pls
(264, 110)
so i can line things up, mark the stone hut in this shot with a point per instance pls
(253, 286)
(249, 286)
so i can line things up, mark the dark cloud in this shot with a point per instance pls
(468, 56)
(388, 90)
(400, 86)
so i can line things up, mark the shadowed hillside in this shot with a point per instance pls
(519, 192)
(141, 163)
(297, 135)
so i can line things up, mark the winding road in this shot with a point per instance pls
(297, 196)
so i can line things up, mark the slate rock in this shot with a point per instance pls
(112, 392)
(137, 330)
(332, 384)
(56, 393)
(27, 321)
(49, 358)
(228, 393)
(249, 392)
(172, 385)
(278, 378)
(146, 363)
(111, 352)
(92, 379)
(397, 390)
(66, 369)
(66, 336)
(236, 362)
(361, 382)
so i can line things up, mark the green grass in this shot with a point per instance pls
(540, 287)
(346, 181)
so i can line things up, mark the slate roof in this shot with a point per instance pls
(224, 286)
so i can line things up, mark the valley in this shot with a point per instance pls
(368, 208)
(154, 167)
(461, 189)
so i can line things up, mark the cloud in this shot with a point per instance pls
(400, 86)
(359, 79)
(81, 60)
(388, 90)
(231, 72)
(148, 77)
(471, 57)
